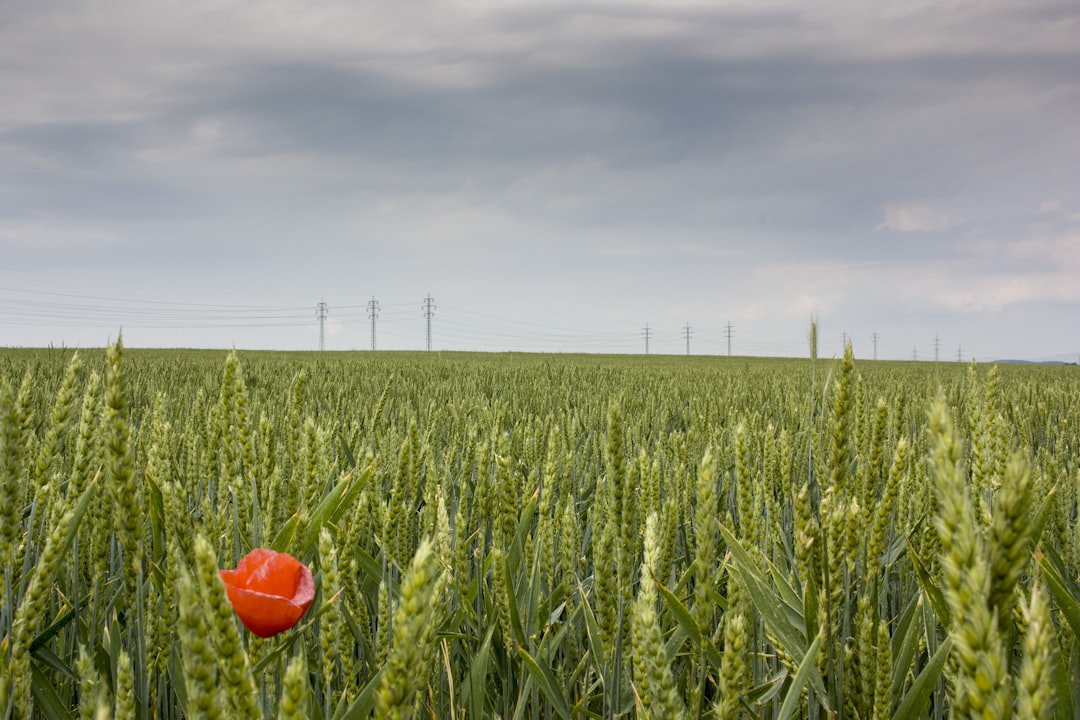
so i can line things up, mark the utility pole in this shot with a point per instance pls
(937, 347)
(429, 311)
(729, 330)
(874, 337)
(688, 331)
(646, 333)
(321, 312)
(373, 314)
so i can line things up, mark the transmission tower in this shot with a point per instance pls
(729, 330)
(959, 353)
(843, 340)
(937, 347)
(875, 337)
(688, 331)
(429, 311)
(646, 333)
(915, 353)
(373, 314)
(321, 312)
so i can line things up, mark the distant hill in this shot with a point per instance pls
(1056, 360)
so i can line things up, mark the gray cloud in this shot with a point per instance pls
(604, 146)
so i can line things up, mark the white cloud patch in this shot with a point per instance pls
(996, 292)
(1037, 270)
(333, 327)
(1059, 252)
(914, 217)
(802, 289)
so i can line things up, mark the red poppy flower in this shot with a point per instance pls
(270, 591)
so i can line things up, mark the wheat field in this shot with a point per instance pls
(540, 536)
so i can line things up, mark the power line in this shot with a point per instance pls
(543, 329)
(143, 313)
(459, 327)
(496, 332)
(497, 335)
(138, 301)
(429, 310)
(320, 312)
(373, 314)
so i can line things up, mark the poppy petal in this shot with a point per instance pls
(268, 572)
(269, 591)
(264, 615)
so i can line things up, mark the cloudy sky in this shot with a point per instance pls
(555, 175)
